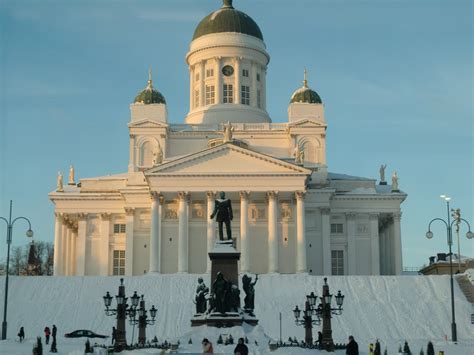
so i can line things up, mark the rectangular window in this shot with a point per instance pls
(245, 95)
(228, 94)
(210, 94)
(197, 77)
(337, 262)
(245, 73)
(196, 98)
(209, 73)
(258, 76)
(259, 99)
(337, 228)
(119, 228)
(119, 262)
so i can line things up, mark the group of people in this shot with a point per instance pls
(240, 349)
(47, 334)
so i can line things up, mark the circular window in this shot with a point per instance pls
(227, 70)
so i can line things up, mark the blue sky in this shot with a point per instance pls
(395, 76)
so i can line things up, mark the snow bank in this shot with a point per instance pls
(390, 308)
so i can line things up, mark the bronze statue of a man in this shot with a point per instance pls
(223, 213)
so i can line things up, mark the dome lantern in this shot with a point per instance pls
(305, 94)
(149, 95)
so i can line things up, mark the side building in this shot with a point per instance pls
(290, 214)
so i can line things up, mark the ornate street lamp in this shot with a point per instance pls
(29, 234)
(142, 320)
(312, 315)
(449, 228)
(121, 311)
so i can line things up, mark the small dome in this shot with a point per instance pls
(149, 95)
(305, 94)
(227, 19)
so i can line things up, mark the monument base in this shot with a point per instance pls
(382, 183)
(223, 320)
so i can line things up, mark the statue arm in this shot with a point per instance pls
(231, 214)
(215, 210)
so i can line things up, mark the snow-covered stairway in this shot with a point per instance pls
(467, 286)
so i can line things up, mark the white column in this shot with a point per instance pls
(129, 225)
(183, 232)
(131, 164)
(397, 236)
(237, 74)
(63, 251)
(326, 234)
(374, 243)
(272, 232)
(244, 228)
(218, 74)
(202, 85)
(263, 94)
(57, 244)
(211, 228)
(69, 250)
(301, 265)
(81, 245)
(351, 244)
(73, 252)
(155, 233)
(104, 244)
(254, 87)
(191, 88)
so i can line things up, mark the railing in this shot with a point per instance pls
(179, 127)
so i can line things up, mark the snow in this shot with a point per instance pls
(390, 308)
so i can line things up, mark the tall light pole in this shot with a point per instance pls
(29, 234)
(449, 228)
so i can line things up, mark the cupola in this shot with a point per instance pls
(305, 103)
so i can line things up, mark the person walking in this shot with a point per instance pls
(319, 342)
(114, 335)
(53, 345)
(352, 347)
(47, 333)
(21, 334)
(207, 347)
(241, 348)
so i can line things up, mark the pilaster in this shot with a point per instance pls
(273, 261)
(351, 243)
(301, 264)
(183, 261)
(326, 235)
(104, 244)
(244, 242)
(129, 240)
(374, 243)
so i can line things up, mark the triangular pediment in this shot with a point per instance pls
(227, 159)
(147, 123)
(306, 123)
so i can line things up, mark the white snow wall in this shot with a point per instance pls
(384, 307)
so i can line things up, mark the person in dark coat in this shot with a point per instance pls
(47, 333)
(21, 334)
(114, 335)
(319, 342)
(352, 347)
(223, 213)
(241, 348)
(53, 345)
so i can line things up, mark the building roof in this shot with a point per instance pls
(150, 95)
(227, 19)
(305, 94)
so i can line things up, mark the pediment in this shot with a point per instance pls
(227, 159)
(307, 123)
(147, 123)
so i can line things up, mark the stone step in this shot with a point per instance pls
(467, 287)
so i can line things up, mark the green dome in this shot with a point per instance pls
(227, 19)
(305, 94)
(149, 95)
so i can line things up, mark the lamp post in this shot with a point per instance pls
(29, 234)
(122, 310)
(322, 311)
(449, 227)
(142, 320)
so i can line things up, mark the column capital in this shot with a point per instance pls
(155, 195)
(129, 211)
(59, 215)
(105, 216)
(272, 194)
(81, 216)
(397, 216)
(211, 195)
(351, 216)
(300, 195)
(183, 195)
(373, 216)
(132, 135)
(244, 195)
(325, 210)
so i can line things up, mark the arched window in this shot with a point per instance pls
(146, 154)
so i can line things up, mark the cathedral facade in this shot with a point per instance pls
(290, 214)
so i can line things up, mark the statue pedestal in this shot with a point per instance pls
(224, 259)
(382, 183)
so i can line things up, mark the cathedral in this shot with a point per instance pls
(290, 213)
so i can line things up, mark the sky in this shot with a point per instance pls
(395, 77)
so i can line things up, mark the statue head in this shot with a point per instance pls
(222, 195)
(200, 280)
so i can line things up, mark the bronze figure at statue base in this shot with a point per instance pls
(222, 299)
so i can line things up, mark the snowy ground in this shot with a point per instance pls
(392, 309)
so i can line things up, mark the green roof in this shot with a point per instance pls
(149, 95)
(227, 19)
(306, 95)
